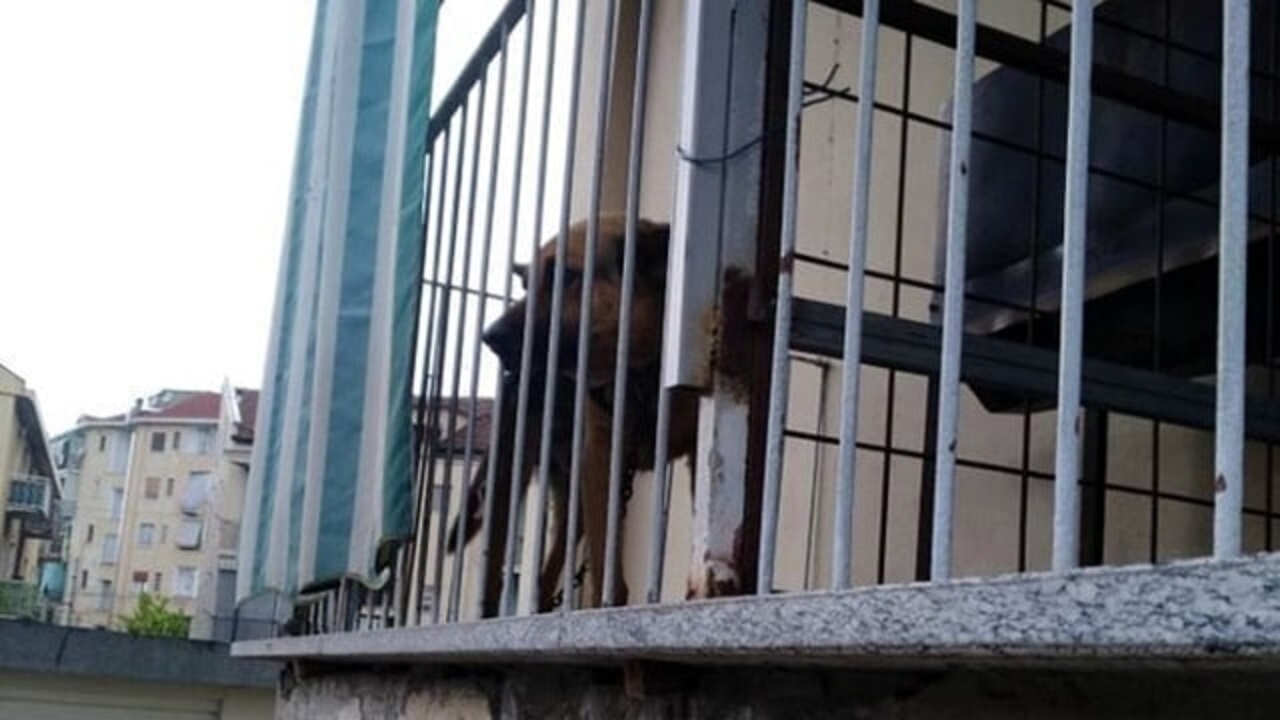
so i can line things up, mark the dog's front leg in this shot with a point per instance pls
(595, 504)
(553, 569)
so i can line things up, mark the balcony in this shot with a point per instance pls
(31, 495)
(877, 480)
(20, 600)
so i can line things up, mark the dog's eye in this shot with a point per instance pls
(571, 275)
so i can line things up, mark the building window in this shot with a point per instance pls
(102, 442)
(117, 503)
(139, 582)
(118, 453)
(164, 534)
(84, 579)
(177, 441)
(155, 581)
(189, 534)
(185, 582)
(196, 492)
(146, 534)
(157, 442)
(168, 487)
(104, 596)
(152, 490)
(110, 548)
(88, 536)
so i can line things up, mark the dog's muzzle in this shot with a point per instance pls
(505, 336)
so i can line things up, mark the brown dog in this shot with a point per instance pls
(505, 337)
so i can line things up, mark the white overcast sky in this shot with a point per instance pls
(145, 156)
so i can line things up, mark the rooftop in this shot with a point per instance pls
(39, 647)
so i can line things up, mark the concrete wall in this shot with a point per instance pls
(687, 692)
(30, 695)
(59, 672)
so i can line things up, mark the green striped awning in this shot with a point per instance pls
(330, 474)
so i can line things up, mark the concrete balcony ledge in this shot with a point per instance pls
(1226, 614)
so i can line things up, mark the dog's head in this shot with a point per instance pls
(506, 334)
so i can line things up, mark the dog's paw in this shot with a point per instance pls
(717, 579)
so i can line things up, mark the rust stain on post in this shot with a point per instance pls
(733, 364)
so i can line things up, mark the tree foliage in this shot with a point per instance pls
(154, 618)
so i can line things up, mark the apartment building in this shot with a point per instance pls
(150, 512)
(31, 525)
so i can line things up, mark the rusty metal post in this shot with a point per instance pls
(714, 236)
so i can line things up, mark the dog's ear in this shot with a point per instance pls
(651, 250)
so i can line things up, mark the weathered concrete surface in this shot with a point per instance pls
(1178, 614)
(665, 691)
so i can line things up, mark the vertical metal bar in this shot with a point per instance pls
(661, 472)
(1066, 483)
(635, 162)
(400, 585)
(1162, 181)
(384, 617)
(447, 481)
(900, 215)
(953, 293)
(1232, 264)
(530, 590)
(1093, 506)
(455, 590)
(661, 502)
(928, 474)
(606, 68)
(842, 535)
(517, 176)
(1273, 93)
(818, 460)
(781, 371)
(531, 309)
(418, 554)
(433, 399)
(1024, 480)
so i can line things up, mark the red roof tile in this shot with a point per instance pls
(192, 406)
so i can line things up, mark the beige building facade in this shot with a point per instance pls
(28, 486)
(149, 509)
